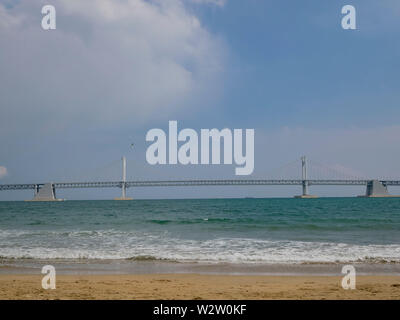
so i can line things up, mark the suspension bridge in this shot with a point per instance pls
(334, 176)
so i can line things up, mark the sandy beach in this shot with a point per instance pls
(196, 286)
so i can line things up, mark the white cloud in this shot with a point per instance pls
(219, 3)
(3, 171)
(108, 62)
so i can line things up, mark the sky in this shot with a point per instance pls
(74, 99)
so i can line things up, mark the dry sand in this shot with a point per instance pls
(195, 286)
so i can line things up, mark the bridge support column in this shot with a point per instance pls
(36, 190)
(123, 182)
(124, 190)
(305, 183)
(305, 187)
(376, 189)
(46, 193)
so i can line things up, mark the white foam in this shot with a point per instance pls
(113, 244)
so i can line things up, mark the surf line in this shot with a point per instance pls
(188, 151)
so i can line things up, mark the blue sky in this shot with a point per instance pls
(293, 63)
(74, 99)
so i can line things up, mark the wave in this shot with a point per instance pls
(164, 246)
(201, 220)
(148, 258)
(278, 225)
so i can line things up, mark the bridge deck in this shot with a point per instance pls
(171, 183)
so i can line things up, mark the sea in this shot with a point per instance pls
(202, 235)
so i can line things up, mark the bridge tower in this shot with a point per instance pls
(123, 182)
(304, 175)
(304, 179)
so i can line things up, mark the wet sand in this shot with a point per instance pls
(197, 286)
(127, 266)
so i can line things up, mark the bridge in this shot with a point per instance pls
(47, 191)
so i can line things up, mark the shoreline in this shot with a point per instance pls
(196, 287)
(133, 267)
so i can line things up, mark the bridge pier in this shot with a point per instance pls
(36, 190)
(123, 183)
(305, 187)
(305, 194)
(305, 182)
(46, 193)
(376, 189)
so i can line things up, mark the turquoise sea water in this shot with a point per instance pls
(211, 230)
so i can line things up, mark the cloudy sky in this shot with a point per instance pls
(74, 99)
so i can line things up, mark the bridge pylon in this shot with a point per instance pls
(123, 182)
(305, 183)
